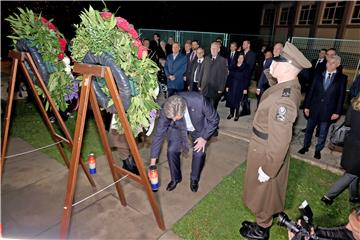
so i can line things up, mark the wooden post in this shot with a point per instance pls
(87, 94)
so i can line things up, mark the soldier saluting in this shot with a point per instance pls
(267, 160)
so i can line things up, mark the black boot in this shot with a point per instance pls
(254, 231)
(237, 115)
(129, 165)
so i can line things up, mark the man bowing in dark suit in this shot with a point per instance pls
(324, 103)
(183, 113)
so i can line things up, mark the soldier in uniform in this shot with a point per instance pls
(267, 161)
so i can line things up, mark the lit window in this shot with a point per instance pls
(307, 14)
(333, 13)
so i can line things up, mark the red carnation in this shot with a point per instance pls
(122, 23)
(51, 26)
(133, 33)
(62, 43)
(60, 56)
(106, 15)
(137, 43)
(43, 20)
(142, 52)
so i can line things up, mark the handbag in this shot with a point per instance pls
(337, 137)
(245, 106)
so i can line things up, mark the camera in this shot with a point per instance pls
(302, 230)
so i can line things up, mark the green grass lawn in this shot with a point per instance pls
(28, 125)
(220, 213)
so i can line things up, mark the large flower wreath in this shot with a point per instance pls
(42, 35)
(101, 33)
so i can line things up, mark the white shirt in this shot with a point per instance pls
(189, 125)
(332, 74)
(174, 56)
(199, 61)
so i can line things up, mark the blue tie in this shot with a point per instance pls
(327, 81)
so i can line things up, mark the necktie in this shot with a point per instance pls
(327, 81)
(232, 55)
(317, 63)
(192, 56)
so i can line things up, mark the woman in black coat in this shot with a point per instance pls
(350, 159)
(236, 85)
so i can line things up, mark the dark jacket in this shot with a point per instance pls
(231, 61)
(319, 68)
(350, 159)
(176, 67)
(355, 88)
(215, 75)
(238, 80)
(191, 72)
(250, 59)
(203, 117)
(323, 104)
(263, 82)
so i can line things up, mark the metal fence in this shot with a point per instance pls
(205, 38)
(348, 50)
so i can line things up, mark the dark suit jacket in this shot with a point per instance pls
(263, 82)
(176, 67)
(323, 104)
(191, 72)
(215, 75)
(231, 62)
(351, 151)
(203, 117)
(321, 67)
(250, 58)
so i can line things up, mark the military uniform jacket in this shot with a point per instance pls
(268, 148)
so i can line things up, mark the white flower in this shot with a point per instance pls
(156, 91)
(66, 61)
(68, 69)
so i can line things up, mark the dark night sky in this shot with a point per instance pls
(219, 16)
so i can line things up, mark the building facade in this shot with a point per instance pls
(320, 19)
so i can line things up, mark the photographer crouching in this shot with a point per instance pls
(304, 230)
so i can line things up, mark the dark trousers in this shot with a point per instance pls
(194, 87)
(347, 180)
(234, 110)
(172, 91)
(215, 100)
(173, 154)
(323, 131)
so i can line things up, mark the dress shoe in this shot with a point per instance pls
(254, 231)
(328, 201)
(130, 165)
(303, 130)
(317, 155)
(236, 118)
(194, 185)
(354, 199)
(303, 150)
(230, 116)
(172, 185)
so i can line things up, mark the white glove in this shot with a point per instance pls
(262, 176)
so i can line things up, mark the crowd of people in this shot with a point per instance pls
(196, 83)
